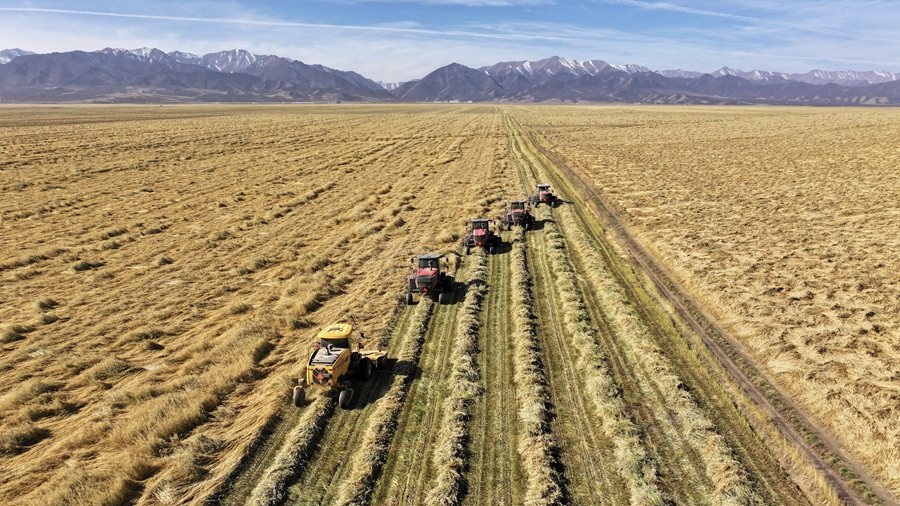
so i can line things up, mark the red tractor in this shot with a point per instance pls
(543, 195)
(429, 277)
(518, 213)
(480, 234)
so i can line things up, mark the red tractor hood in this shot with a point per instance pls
(479, 232)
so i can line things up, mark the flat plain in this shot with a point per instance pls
(165, 270)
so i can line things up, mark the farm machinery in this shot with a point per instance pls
(543, 195)
(334, 365)
(518, 213)
(429, 277)
(480, 235)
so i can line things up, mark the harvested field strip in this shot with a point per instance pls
(641, 398)
(451, 451)
(495, 472)
(295, 451)
(354, 440)
(640, 333)
(585, 451)
(369, 458)
(537, 445)
(286, 450)
(631, 466)
(408, 467)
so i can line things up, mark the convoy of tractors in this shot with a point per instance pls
(335, 365)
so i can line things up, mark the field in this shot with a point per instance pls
(165, 270)
(785, 223)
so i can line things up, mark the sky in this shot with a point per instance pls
(405, 39)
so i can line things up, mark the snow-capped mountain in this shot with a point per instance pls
(842, 77)
(390, 86)
(554, 66)
(690, 74)
(235, 60)
(143, 54)
(8, 55)
(188, 58)
(235, 75)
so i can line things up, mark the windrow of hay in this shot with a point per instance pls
(537, 444)
(373, 449)
(450, 448)
(632, 460)
(297, 449)
(723, 470)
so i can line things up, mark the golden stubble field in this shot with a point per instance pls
(164, 268)
(785, 224)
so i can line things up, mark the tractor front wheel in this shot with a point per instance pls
(492, 250)
(409, 298)
(468, 249)
(345, 398)
(442, 298)
(298, 396)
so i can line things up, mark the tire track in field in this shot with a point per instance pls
(495, 475)
(586, 453)
(405, 475)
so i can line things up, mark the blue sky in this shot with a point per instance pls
(404, 39)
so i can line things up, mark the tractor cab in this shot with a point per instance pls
(428, 277)
(335, 336)
(429, 262)
(543, 195)
(480, 234)
(517, 214)
(480, 227)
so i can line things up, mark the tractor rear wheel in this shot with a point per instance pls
(365, 368)
(492, 250)
(298, 396)
(442, 298)
(345, 398)
(409, 298)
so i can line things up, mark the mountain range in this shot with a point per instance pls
(151, 75)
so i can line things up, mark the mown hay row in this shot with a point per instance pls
(297, 449)
(537, 444)
(633, 462)
(723, 470)
(373, 450)
(450, 449)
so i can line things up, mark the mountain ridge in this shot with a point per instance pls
(150, 74)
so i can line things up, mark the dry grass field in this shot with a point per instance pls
(165, 269)
(785, 223)
(162, 269)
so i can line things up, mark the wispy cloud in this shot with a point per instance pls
(666, 6)
(294, 24)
